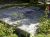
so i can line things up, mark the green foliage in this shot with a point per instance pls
(6, 31)
(44, 26)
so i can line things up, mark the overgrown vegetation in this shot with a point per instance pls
(6, 31)
(44, 27)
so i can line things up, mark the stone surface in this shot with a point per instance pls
(27, 18)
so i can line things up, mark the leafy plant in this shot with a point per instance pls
(44, 26)
(6, 31)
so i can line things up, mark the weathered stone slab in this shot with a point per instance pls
(25, 19)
